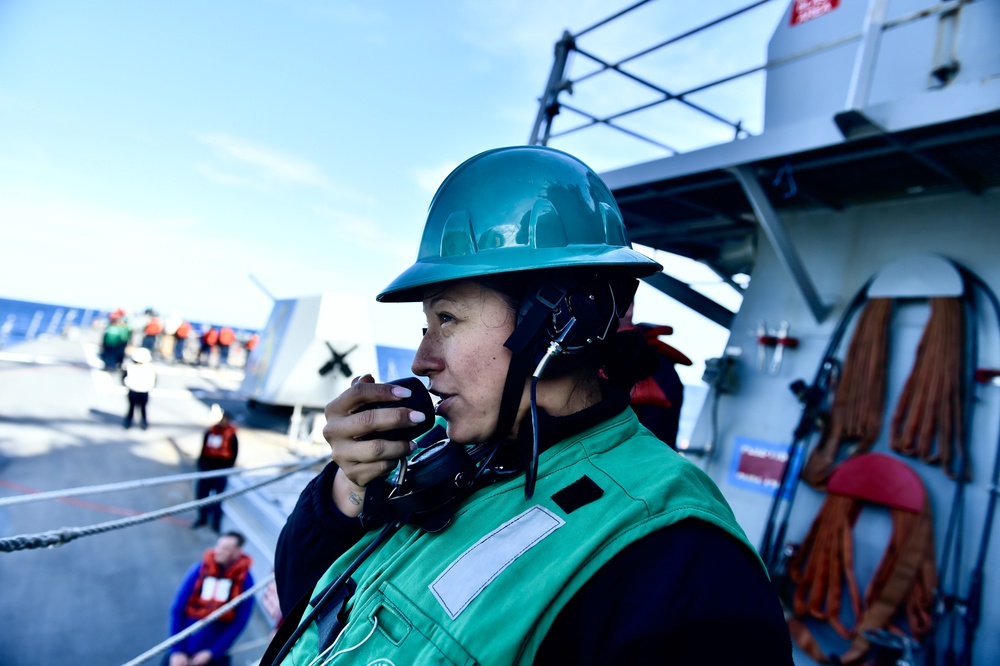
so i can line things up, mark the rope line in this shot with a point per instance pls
(177, 638)
(137, 483)
(67, 534)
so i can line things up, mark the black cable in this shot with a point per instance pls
(532, 474)
(715, 417)
(771, 542)
(951, 552)
(974, 597)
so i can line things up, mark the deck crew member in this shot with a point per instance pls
(222, 574)
(219, 448)
(570, 534)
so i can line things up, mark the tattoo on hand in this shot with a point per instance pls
(355, 500)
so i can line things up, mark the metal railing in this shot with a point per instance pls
(551, 104)
(559, 83)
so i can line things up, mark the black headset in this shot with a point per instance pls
(554, 321)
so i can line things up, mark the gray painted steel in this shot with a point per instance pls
(879, 157)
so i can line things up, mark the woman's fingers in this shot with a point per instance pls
(352, 429)
(363, 461)
(349, 416)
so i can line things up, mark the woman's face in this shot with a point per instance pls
(462, 354)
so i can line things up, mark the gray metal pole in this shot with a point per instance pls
(783, 246)
(260, 285)
(553, 87)
(864, 61)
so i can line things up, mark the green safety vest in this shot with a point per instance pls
(487, 588)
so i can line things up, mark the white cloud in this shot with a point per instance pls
(430, 178)
(222, 177)
(269, 164)
(244, 163)
(74, 223)
(365, 233)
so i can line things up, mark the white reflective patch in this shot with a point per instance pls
(216, 589)
(477, 567)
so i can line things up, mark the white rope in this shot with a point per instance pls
(67, 534)
(138, 483)
(221, 610)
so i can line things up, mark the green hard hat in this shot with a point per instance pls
(516, 209)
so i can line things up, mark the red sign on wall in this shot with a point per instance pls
(758, 465)
(806, 10)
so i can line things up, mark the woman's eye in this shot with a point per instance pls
(444, 317)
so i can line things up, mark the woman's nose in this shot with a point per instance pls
(427, 360)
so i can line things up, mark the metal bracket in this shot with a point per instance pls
(775, 231)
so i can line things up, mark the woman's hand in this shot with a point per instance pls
(361, 461)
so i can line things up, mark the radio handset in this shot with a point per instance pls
(427, 487)
(419, 400)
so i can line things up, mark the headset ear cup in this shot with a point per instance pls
(595, 315)
(576, 310)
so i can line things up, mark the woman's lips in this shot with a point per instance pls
(442, 404)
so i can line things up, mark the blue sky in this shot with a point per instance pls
(158, 154)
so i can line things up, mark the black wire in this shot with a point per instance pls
(770, 548)
(951, 552)
(532, 473)
(715, 416)
(974, 596)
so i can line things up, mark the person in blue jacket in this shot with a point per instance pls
(222, 574)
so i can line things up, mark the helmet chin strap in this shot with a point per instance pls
(526, 337)
(531, 335)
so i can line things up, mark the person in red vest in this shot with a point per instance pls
(181, 336)
(219, 448)
(657, 399)
(227, 337)
(152, 332)
(250, 345)
(222, 574)
(209, 339)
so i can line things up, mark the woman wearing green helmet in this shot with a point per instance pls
(549, 527)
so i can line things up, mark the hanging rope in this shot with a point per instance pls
(67, 534)
(197, 626)
(930, 408)
(859, 402)
(905, 580)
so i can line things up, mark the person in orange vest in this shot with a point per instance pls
(181, 336)
(227, 337)
(222, 574)
(209, 339)
(152, 331)
(251, 344)
(219, 448)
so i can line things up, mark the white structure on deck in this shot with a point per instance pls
(310, 349)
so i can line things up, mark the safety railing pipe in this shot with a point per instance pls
(553, 86)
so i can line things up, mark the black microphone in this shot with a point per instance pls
(419, 400)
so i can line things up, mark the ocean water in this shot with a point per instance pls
(26, 320)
